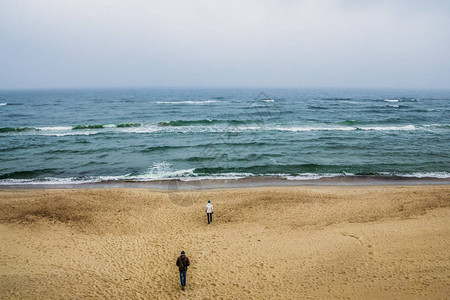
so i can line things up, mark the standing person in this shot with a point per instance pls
(209, 211)
(183, 263)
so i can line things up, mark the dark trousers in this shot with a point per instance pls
(209, 216)
(183, 278)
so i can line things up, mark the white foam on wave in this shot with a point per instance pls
(158, 171)
(163, 170)
(153, 128)
(438, 126)
(63, 131)
(190, 129)
(221, 176)
(55, 128)
(312, 176)
(226, 129)
(141, 129)
(391, 100)
(2, 104)
(351, 102)
(395, 106)
(441, 175)
(70, 133)
(296, 129)
(381, 128)
(268, 100)
(187, 102)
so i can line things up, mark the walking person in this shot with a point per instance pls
(183, 263)
(209, 211)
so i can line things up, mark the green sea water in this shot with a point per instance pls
(59, 136)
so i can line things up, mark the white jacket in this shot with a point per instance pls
(209, 208)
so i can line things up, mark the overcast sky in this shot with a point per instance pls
(232, 43)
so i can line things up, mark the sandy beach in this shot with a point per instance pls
(315, 242)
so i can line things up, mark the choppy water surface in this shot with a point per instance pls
(57, 136)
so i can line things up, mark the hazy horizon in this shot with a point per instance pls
(331, 44)
(256, 88)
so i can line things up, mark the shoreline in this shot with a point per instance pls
(246, 182)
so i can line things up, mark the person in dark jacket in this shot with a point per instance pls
(183, 263)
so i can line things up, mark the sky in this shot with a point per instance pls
(232, 43)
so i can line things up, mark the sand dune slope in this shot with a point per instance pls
(265, 243)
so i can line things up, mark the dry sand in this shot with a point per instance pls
(374, 242)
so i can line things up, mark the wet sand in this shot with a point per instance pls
(369, 242)
(246, 182)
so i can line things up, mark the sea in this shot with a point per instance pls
(139, 135)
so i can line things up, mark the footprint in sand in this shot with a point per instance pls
(359, 239)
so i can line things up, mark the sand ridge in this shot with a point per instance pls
(264, 243)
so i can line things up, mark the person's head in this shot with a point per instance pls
(182, 253)
(209, 201)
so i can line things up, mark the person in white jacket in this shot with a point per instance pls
(209, 211)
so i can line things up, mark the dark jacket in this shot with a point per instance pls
(183, 263)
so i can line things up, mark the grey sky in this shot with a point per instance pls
(232, 43)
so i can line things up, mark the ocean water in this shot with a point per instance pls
(60, 136)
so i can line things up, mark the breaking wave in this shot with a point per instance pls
(192, 126)
(165, 171)
(204, 122)
(188, 102)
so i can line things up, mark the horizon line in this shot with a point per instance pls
(220, 87)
